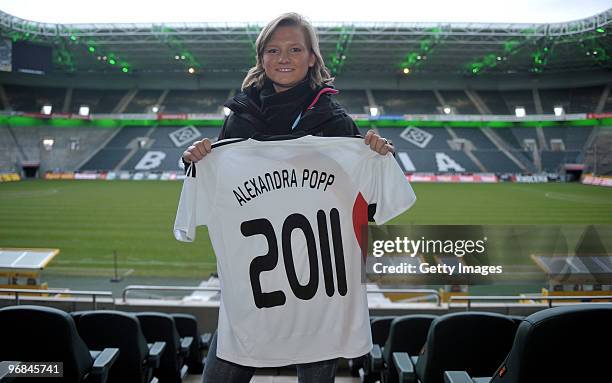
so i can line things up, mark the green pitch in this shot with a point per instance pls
(88, 220)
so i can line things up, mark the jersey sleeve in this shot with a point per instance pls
(196, 202)
(382, 181)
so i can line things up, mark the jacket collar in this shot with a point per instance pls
(319, 110)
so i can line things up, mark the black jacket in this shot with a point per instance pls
(257, 113)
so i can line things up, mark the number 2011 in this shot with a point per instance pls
(269, 261)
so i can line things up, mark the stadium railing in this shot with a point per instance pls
(427, 293)
(58, 292)
(548, 299)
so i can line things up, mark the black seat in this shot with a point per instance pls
(518, 319)
(380, 329)
(562, 344)
(76, 315)
(407, 334)
(471, 341)
(379, 326)
(159, 327)
(45, 334)
(187, 326)
(121, 330)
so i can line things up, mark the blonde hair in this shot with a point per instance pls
(317, 75)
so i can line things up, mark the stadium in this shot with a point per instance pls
(503, 129)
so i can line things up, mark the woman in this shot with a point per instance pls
(288, 92)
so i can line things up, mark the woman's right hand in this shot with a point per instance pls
(197, 150)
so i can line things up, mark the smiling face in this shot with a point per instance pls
(287, 57)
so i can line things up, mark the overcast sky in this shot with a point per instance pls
(117, 11)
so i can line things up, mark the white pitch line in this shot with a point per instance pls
(129, 272)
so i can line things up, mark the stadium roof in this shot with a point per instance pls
(119, 11)
(356, 48)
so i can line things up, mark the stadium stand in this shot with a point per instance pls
(420, 138)
(573, 138)
(495, 102)
(516, 98)
(100, 101)
(523, 134)
(509, 138)
(552, 161)
(496, 161)
(123, 142)
(583, 99)
(190, 101)
(143, 101)
(457, 149)
(608, 103)
(155, 148)
(354, 101)
(158, 148)
(459, 101)
(407, 102)
(598, 158)
(71, 146)
(154, 160)
(8, 154)
(475, 136)
(393, 102)
(31, 99)
(551, 98)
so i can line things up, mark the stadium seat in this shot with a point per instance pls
(380, 331)
(45, 334)
(407, 334)
(117, 329)
(471, 341)
(159, 327)
(76, 315)
(517, 319)
(561, 344)
(187, 326)
(380, 327)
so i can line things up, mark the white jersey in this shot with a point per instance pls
(285, 219)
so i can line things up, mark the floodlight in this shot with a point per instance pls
(46, 109)
(48, 143)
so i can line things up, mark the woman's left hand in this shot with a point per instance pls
(377, 143)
